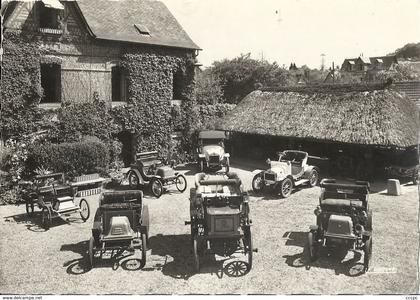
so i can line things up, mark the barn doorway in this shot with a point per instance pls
(128, 142)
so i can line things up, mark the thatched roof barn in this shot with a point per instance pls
(371, 116)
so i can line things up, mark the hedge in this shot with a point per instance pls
(72, 158)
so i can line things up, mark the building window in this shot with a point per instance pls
(51, 83)
(49, 17)
(177, 85)
(119, 84)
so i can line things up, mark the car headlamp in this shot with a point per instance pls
(317, 211)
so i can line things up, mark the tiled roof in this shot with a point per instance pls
(120, 20)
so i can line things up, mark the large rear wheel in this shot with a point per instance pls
(156, 187)
(367, 249)
(313, 246)
(258, 183)
(84, 210)
(248, 246)
(286, 186)
(143, 249)
(91, 252)
(46, 218)
(313, 178)
(196, 255)
(133, 180)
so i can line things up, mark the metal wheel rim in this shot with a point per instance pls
(157, 188)
(84, 209)
(237, 268)
(257, 183)
(181, 183)
(314, 178)
(286, 187)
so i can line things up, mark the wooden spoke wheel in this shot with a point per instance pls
(248, 246)
(143, 249)
(84, 210)
(46, 218)
(286, 187)
(236, 269)
(156, 187)
(313, 178)
(91, 252)
(181, 183)
(313, 246)
(258, 183)
(367, 249)
(133, 180)
(196, 254)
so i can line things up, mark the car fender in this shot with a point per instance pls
(257, 171)
(137, 172)
(308, 170)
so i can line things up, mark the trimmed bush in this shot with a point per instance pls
(72, 158)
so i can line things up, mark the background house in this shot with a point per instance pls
(83, 43)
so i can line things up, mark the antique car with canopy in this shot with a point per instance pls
(55, 198)
(343, 220)
(211, 151)
(289, 171)
(220, 221)
(149, 170)
(121, 224)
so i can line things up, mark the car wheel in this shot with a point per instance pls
(156, 187)
(91, 252)
(258, 183)
(46, 218)
(248, 246)
(227, 166)
(181, 183)
(133, 180)
(30, 208)
(143, 249)
(313, 246)
(367, 249)
(286, 187)
(196, 255)
(369, 220)
(201, 165)
(313, 178)
(84, 210)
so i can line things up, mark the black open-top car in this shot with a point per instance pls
(220, 221)
(121, 224)
(343, 219)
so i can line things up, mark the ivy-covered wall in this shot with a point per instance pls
(20, 90)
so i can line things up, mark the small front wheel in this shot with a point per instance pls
(367, 249)
(143, 249)
(313, 246)
(84, 210)
(156, 187)
(313, 178)
(181, 183)
(286, 186)
(258, 183)
(91, 252)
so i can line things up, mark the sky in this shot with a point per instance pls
(298, 31)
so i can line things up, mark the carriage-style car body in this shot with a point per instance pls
(289, 171)
(148, 169)
(219, 219)
(211, 151)
(121, 224)
(343, 219)
(55, 198)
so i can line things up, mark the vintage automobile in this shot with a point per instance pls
(343, 219)
(55, 198)
(121, 224)
(219, 219)
(211, 151)
(289, 171)
(406, 172)
(148, 169)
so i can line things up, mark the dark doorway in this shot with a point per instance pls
(51, 83)
(119, 84)
(128, 147)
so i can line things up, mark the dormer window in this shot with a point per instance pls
(142, 29)
(50, 14)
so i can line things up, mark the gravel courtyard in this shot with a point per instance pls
(35, 261)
